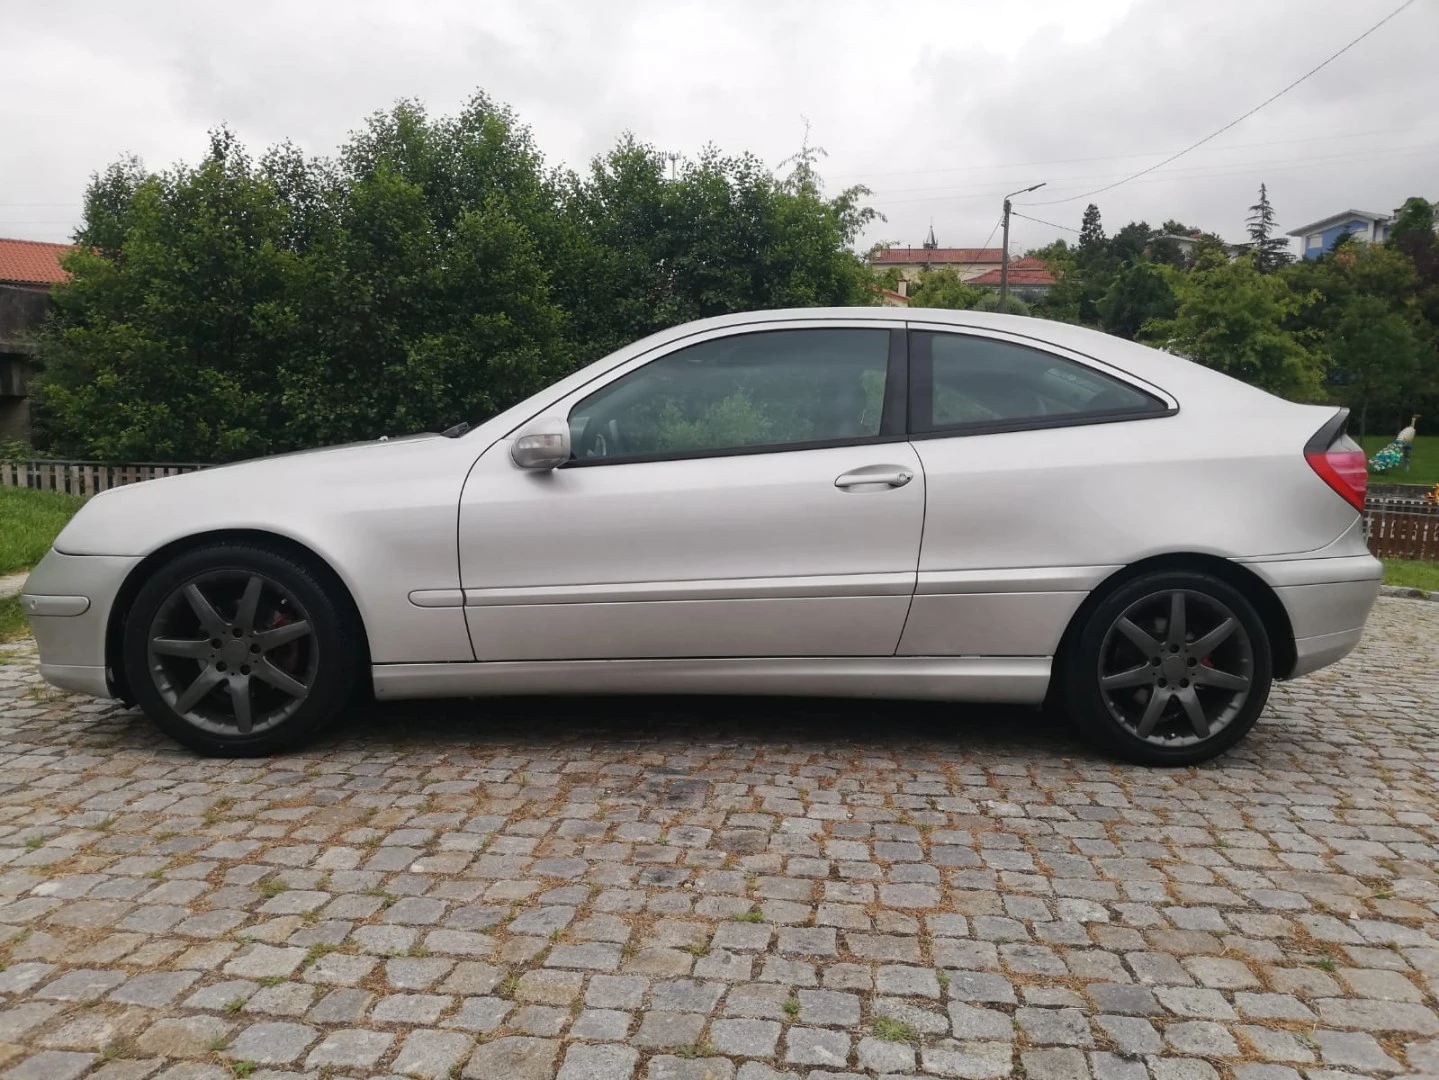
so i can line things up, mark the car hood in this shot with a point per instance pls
(263, 493)
(384, 442)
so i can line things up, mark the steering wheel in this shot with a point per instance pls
(593, 441)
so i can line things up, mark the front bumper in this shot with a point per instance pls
(68, 599)
(1327, 601)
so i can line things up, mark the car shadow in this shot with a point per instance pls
(801, 724)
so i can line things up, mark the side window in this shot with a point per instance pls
(770, 389)
(962, 382)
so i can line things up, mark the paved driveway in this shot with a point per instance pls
(676, 890)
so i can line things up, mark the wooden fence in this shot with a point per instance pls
(1402, 528)
(83, 477)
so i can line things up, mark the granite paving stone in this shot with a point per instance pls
(727, 889)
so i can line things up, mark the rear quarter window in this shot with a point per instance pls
(962, 382)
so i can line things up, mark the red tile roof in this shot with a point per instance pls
(30, 262)
(1018, 275)
(922, 255)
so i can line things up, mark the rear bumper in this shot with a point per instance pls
(1327, 601)
(67, 599)
(1321, 650)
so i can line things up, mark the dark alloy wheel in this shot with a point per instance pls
(1170, 668)
(239, 649)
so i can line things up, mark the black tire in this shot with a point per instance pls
(1114, 716)
(293, 595)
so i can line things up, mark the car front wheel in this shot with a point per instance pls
(239, 649)
(1171, 668)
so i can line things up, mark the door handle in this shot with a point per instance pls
(890, 475)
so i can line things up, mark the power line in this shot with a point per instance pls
(982, 247)
(1215, 134)
(1040, 221)
(1338, 137)
(992, 191)
(1214, 168)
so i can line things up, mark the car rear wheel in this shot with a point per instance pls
(238, 649)
(1171, 668)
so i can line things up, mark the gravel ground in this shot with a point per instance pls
(680, 890)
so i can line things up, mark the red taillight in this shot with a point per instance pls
(1343, 469)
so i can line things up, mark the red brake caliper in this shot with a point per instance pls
(286, 657)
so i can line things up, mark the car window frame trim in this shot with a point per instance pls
(894, 407)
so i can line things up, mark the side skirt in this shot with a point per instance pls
(1019, 680)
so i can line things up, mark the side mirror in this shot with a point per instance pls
(542, 444)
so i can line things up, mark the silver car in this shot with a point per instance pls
(848, 502)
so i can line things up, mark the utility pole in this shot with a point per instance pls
(1004, 255)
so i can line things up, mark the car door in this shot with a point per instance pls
(748, 492)
(1027, 450)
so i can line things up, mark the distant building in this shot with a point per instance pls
(1028, 277)
(1318, 237)
(27, 271)
(1188, 246)
(968, 263)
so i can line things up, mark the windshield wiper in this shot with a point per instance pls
(456, 431)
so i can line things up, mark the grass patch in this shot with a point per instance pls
(1423, 462)
(1412, 574)
(29, 522)
(892, 1030)
(698, 1050)
(13, 626)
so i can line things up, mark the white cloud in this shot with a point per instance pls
(941, 106)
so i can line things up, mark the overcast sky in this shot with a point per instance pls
(940, 106)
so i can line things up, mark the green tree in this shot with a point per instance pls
(166, 343)
(1140, 292)
(1232, 318)
(1377, 356)
(1348, 285)
(1060, 301)
(1091, 232)
(434, 270)
(1413, 234)
(440, 292)
(1093, 265)
(725, 235)
(1130, 243)
(1269, 250)
(943, 288)
(1013, 305)
(1413, 227)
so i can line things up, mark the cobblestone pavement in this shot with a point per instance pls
(675, 890)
